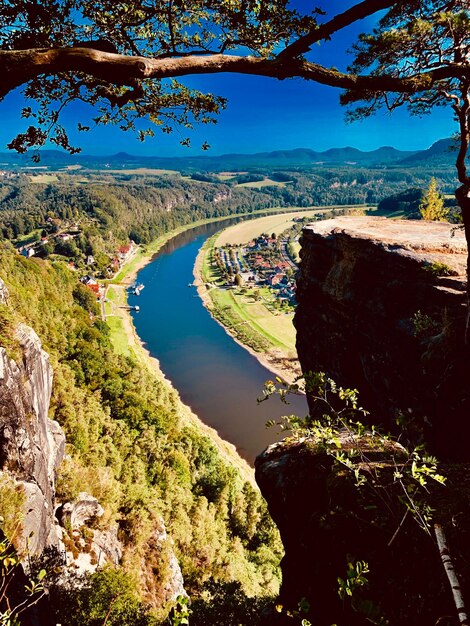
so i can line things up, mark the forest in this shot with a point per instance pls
(130, 444)
(131, 206)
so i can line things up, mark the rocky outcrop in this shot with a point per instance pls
(381, 307)
(86, 548)
(73, 515)
(161, 574)
(31, 445)
(326, 522)
(3, 293)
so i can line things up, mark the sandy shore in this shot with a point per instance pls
(276, 361)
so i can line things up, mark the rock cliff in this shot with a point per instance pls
(31, 445)
(381, 307)
(326, 522)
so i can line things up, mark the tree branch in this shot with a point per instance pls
(324, 31)
(20, 66)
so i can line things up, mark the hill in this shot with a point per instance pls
(441, 153)
(298, 158)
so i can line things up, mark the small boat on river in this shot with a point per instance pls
(137, 289)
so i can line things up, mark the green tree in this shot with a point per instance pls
(126, 60)
(432, 206)
(428, 44)
(110, 596)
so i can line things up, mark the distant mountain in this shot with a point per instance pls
(441, 152)
(302, 158)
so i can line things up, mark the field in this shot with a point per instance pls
(45, 179)
(252, 323)
(259, 184)
(223, 176)
(246, 231)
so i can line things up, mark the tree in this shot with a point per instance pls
(432, 204)
(118, 57)
(412, 41)
(124, 59)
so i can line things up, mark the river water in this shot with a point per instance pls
(214, 375)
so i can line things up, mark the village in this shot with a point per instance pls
(263, 262)
(63, 239)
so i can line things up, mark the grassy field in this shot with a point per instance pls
(31, 237)
(255, 323)
(116, 297)
(118, 336)
(296, 246)
(259, 184)
(45, 179)
(246, 231)
(223, 176)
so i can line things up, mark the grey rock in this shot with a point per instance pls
(3, 293)
(73, 515)
(31, 445)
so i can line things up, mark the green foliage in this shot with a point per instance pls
(139, 30)
(439, 269)
(424, 325)
(130, 445)
(432, 206)
(12, 501)
(179, 614)
(8, 323)
(336, 430)
(85, 298)
(355, 579)
(11, 604)
(109, 596)
(228, 605)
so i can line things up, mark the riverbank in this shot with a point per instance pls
(254, 323)
(126, 341)
(275, 360)
(264, 332)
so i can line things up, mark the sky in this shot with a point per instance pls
(263, 114)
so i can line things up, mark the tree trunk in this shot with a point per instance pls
(463, 198)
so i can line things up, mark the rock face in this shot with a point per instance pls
(75, 514)
(159, 554)
(3, 293)
(326, 522)
(31, 445)
(373, 314)
(85, 548)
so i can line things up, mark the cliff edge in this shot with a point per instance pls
(381, 308)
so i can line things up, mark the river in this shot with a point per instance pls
(214, 375)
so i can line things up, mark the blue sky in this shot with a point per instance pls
(264, 114)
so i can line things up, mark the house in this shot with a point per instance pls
(90, 259)
(27, 251)
(95, 288)
(88, 280)
(276, 280)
